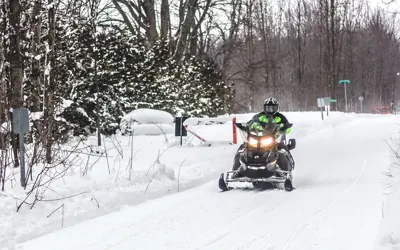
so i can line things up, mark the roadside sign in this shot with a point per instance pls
(321, 102)
(21, 127)
(21, 120)
(344, 81)
(327, 101)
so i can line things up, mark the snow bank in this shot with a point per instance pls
(388, 237)
(148, 116)
(152, 129)
(207, 120)
(147, 122)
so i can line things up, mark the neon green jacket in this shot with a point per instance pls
(259, 121)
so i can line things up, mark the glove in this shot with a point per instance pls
(282, 128)
(285, 128)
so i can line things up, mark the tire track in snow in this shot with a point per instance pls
(187, 213)
(250, 215)
(322, 212)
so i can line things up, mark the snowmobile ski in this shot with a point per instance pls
(288, 185)
(222, 184)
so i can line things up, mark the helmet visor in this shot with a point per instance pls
(271, 108)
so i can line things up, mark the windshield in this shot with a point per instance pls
(268, 129)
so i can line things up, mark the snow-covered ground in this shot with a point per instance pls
(337, 203)
(389, 233)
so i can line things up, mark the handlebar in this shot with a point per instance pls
(245, 128)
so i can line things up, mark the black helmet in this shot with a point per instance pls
(271, 106)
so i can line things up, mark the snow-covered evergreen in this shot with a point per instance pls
(119, 73)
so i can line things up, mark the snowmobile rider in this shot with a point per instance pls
(260, 121)
(271, 108)
(258, 124)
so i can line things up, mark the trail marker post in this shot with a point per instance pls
(361, 99)
(327, 102)
(321, 104)
(180, 130)
(234, 131)
(345, 82)
(334, 101)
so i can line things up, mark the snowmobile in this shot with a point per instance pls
(264, 159)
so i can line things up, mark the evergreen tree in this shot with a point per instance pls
(112, 73)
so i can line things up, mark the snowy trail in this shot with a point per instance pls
(336, 204)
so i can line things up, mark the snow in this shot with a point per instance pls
(149, 116)
(147, 122)
(337, 203)
(206, 120)
(389, 233)
(152, 129)
(5, 128)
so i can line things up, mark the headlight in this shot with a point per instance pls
(267, 141)
(253, 142)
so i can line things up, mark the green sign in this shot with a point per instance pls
(333, 100)
(344, 81)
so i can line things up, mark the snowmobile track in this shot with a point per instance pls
(323, 211)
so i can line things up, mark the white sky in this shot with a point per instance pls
(390, 5)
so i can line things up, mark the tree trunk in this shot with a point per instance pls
(15, 66)
(36, 25)
(165, 20)
(300, 65)
(185, 30)
(333, 48)
(50, 88)
(228, 44)
(152, 33)
(3, 86)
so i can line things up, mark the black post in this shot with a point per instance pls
(181, 125)
(179, 128)
(322, 113)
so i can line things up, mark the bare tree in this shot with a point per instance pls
(319, 42)
(15, 66)
(50, 88)
(35, 43)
